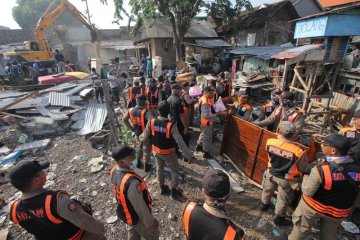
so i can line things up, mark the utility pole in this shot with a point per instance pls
(87, 10)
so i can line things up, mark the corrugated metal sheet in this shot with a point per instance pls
(260, 52)
(61, 87)
(213, 43)
(342, 101)
(78, 88)
(11, 94)
(296, 51)
(56, 116)
(94, 118)
(27, 103)
(59, 99)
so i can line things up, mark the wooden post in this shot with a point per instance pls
(111, 117)
(283, 83)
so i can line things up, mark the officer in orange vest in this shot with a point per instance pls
(48, 214)
(287, 111)
(208, 116)
(287, 162)
(209, 220)
(134, 202)
(224, 89)
(134, 91)
(153, 97)
(244, 109)
(139, 117)
(329, 192)
(162, 134)
(268, 108)
(353, 134)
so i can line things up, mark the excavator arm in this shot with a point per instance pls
(50, 16)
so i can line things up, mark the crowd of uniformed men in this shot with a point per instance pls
(161, 113)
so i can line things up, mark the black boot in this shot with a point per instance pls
(282, 221)
(177, 195)
(199, 148)
(264, 207)
(147, 167)
(207, 155)
(165, 190)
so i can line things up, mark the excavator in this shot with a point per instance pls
(39, 50)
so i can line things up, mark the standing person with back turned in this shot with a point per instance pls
(134, 202)
(177, 111)
(48, 214)
(139, 117)
(353, 134)
(287, 162)
(329, 192)
(209, 220)
(208, 117)
(162, 134)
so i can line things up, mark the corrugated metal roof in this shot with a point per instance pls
(213, 43)
(27, 103)
(11, 94)
(296, 51)
(342, 101)
(61, 87)
(161, 28)
(94, 118)
(59, 99)
(260, 52)
(78, 88)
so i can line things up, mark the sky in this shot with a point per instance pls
(101, 15)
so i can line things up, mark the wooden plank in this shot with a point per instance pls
(235, 186)
(301, 79)
(33, 94)
(298, 89)
(16, 116)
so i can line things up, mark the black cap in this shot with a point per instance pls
(175, 86)
(208, 89)
(164, 108)
(22, 173)
(161, 78)
(216, 184)
(337, 141)
(141, 97)
(357, 114)
(287, 95)
(121, 152)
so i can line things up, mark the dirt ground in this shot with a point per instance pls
(71, 173)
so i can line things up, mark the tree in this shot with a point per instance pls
(223, 11)
(27, 13)
(180, 14)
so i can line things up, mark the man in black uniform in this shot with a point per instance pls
(209, 220)
(177, 110)
(139, 117)
(134, 91)
(47, 214)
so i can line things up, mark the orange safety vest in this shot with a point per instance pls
(161, 139)
(225, 95)
(134, 95)
(194, 213)
(120, 186)
(283, 158)
(335, 196)
(268, 109)
(205, 100)
(38, 215)
(152, 99)
(137, 117)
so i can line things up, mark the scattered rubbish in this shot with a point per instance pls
(34, 145)
(5, 150)
(262, 222)
(10, 159)
(172, 217)
(83, 180)
(103, 184)
(96, 164)
(111, 219)
(276, 233)
(350, 227)
(23, 138)
(44, 120)
(94, 193)
(94, 118)
(80, 158)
